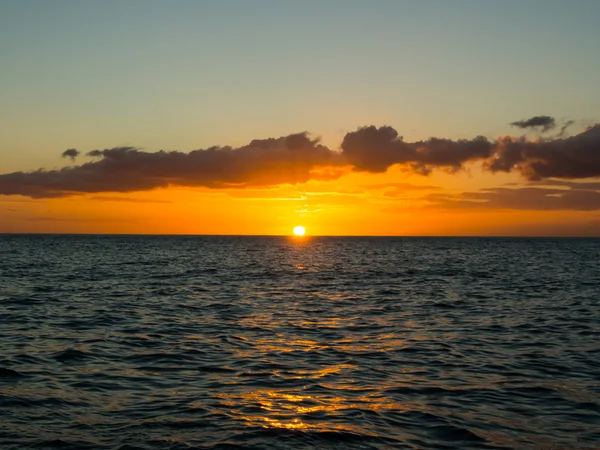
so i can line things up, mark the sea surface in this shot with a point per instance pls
(133, 342)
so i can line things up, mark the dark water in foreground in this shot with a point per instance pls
(250, 342)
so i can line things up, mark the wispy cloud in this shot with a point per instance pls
(400, 186)
(100, 198)
(69, 219)
(580, 228)
(528, 198)
(591, 185)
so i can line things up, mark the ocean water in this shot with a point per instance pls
(136, 342)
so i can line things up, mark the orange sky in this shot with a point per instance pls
(392, 203)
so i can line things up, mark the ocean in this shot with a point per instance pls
(162, 342)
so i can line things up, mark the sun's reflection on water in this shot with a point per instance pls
(269, 408)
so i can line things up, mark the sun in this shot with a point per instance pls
(299, 230)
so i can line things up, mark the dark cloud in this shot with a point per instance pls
(71, 153)
(289, 159)
(544, 122)
(298, 158)
(528, 198)
(372, 149)
(573, 157)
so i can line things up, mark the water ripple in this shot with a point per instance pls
(368, 343)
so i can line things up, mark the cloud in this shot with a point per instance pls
(72, 219)
(577, 228)
(566, 125)
(100, 198)
(545, 122)
(573, 157)
(298, 158)
(589, 185)
(71, 153)
(17, 200)
(396, 190)
(400, 186)
(372, 149)
(267, 194)
(266, 162)
(528, 198)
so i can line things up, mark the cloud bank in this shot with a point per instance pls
(573, 157)
(266, 162)
(298, 158)
(372, 149)
(528, 198)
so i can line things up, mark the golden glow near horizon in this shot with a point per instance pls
(299, 230)
(357, 204)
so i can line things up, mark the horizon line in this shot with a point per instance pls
(305, 237)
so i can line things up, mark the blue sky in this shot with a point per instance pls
(191, 74)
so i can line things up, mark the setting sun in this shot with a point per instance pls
(299, 230)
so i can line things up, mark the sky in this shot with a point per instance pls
(237, 117)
